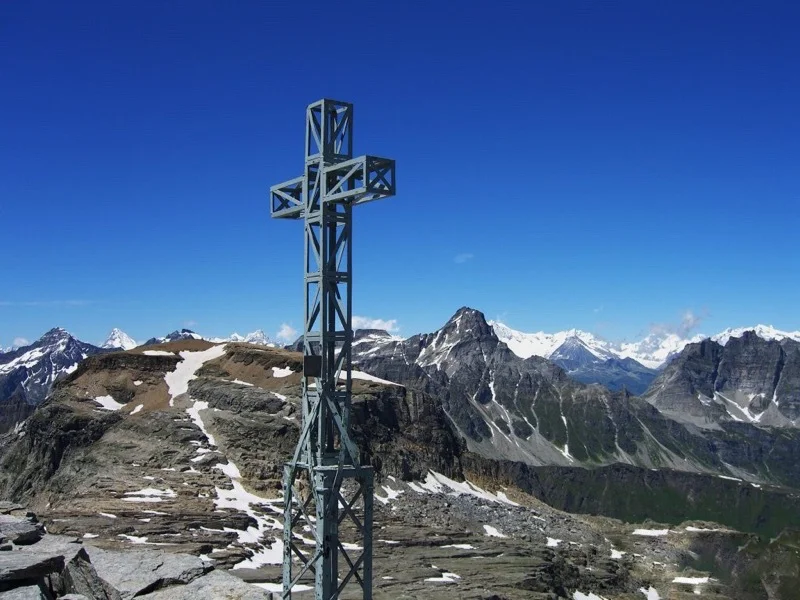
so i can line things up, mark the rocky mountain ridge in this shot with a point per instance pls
(749, 379)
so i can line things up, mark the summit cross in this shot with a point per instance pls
(326, 456)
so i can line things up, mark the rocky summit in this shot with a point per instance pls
(176, 450)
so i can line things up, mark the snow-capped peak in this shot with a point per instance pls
(652, 351)
(656, 348)
(119, 339)
(544, 344)
(255, 337)
(765, 332)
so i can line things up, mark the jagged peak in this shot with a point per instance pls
(56, 334)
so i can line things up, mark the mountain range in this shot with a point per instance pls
(429, 412)
(530, 410)
(27, 373)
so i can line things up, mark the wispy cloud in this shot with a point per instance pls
(599, 309)
(286, 333)
(35, 303)
(370, 323)
(190, 323)
(463, 257)
(689, 322)
(20, 341)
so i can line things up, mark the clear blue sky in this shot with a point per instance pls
(601, 165)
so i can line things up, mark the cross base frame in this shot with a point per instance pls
(321, 511)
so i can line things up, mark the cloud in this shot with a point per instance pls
(689, 322)
(370, 323)
(598, 309)
(19, 342)
(463, 257)
(190, 323)
(286, 333)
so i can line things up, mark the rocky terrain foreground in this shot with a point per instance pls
(39, 566)
(173, 453)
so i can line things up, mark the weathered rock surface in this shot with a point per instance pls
(138, 572)
(20, 531)
(63, 567)
(215, 584)
(29, 592)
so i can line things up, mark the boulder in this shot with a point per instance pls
(138, 572)
(17, 567)
(20, 531)
(28, 592)
(217, 584)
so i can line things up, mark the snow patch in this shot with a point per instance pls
(651, 532)
(278, 587)
(691, 580)
(493, 532)
(281, 371)
(137, 409)
(367, 377)
(178, 380)
(194, 413)
(445, 578)
(108, 403)
(441, 484)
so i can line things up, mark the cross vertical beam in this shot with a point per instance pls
(326, 457)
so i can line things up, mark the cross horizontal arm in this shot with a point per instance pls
(287, 199)
(359, 180)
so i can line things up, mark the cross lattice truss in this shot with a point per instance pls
(326, 488)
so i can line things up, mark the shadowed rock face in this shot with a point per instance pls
(750, 379)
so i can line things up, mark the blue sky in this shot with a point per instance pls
(601, 165)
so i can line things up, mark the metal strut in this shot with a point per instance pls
(326, 456)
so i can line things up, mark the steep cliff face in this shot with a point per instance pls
(749, 379)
